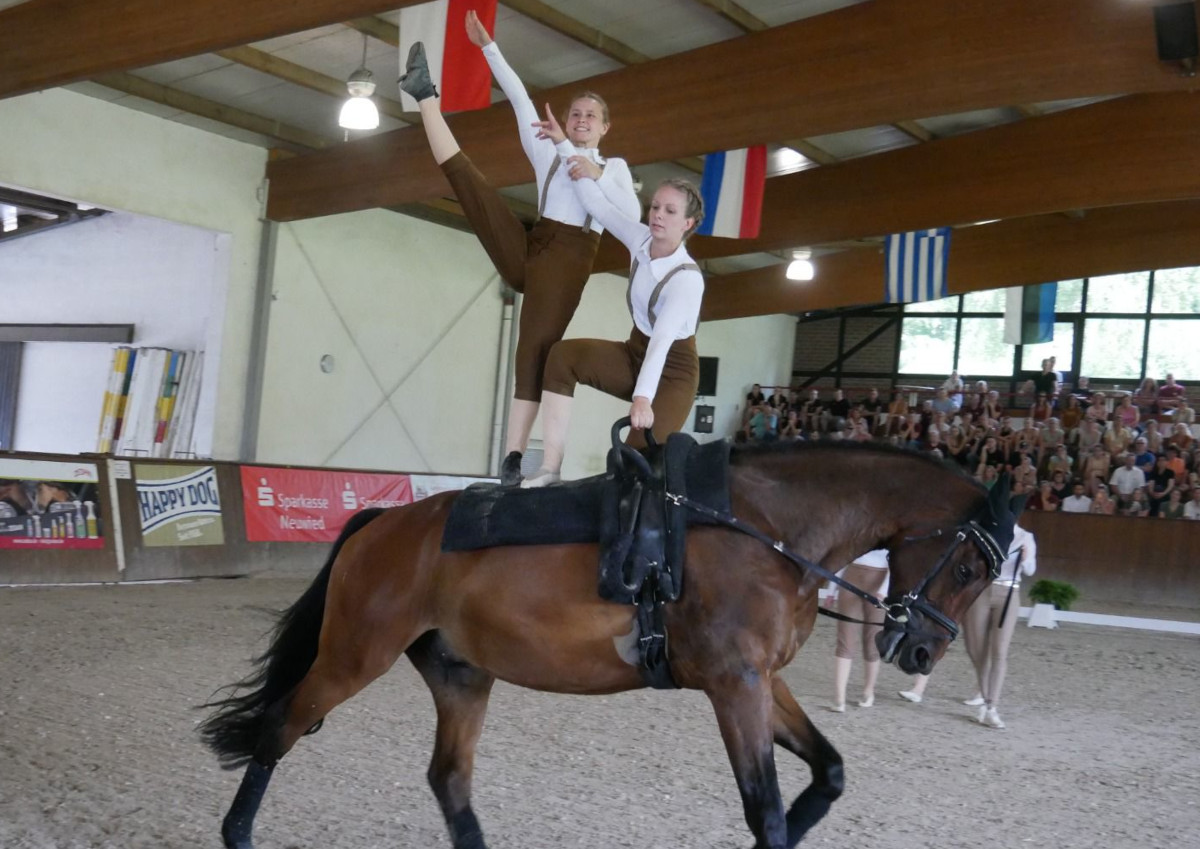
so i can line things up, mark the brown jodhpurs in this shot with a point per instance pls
(613, 367)
(549, 264)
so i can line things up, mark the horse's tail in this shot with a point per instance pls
(235, 730)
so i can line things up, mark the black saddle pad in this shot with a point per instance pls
(486, 515)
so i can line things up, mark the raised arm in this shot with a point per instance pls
(513, 89)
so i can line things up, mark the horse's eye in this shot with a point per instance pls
(964, 573)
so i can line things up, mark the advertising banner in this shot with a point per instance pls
(179, 505)
(49, 504)
(312, 505)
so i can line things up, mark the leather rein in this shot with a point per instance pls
(898, 612)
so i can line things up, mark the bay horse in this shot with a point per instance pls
(531, 616)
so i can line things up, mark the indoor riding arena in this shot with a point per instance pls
(277, 332)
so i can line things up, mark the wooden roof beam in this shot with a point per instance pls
(767, 91)
(1139, 149)
(49, 44)
(578, 31)
(991, 256)
(735, 14)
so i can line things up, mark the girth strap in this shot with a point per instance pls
(587, 222)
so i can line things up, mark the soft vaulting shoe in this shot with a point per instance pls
(542, 477)
(510, 469)
(416, 81)
(910, 696)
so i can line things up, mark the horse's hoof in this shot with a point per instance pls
(232, 839)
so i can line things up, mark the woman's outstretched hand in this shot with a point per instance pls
(549, 129)
(477, 33)
(582, 168)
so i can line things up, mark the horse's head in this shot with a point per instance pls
(937, 574)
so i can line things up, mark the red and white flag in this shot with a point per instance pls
(457, 66)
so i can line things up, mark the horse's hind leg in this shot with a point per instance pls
(796, 733)
(460, 692)
(341, 670)
(743, 706)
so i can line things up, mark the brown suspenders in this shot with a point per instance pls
(587, 222)
(686, 266)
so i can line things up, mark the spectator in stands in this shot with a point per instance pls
(1117, 439)
(1060, 485)
(1089, 437)
(764, 423)
(1041, 409)
(1083, 392)
(1127, 478)
(973, 403)
(1191, 510)
(1126, 413)
(1071, 415)
(1154, 442)
(873, 410)
(779, 399)
(1004, 434)
(1160, 483)
(1176, 464)
(1103, 505)
(811, 411)
(1184, 414)
(1059, 461)
(1146, 397)
(791, 430)
(992, 408)
(897, 414)
(1097, 409)
(988, 475)
(1137, 505)
(1044, 499)
(1181, 438)
(860, 432)
(1094, 469)
(1174, 506)
(957, 446)
(954, 389)
(942, 403)
(1171, 395)
(1077, 502)
(911, 432)
(839, 410)
(989, 456)
(1143, 456)
(755, 396)
(869, 573)
(1051, 437)
(1025, 474)
(1046, 383)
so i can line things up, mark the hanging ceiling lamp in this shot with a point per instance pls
(360, 112)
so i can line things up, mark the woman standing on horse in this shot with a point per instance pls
(657, 368)
(551, 263)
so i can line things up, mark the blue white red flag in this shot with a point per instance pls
(916, 266)
(732, 188)
(458, 67)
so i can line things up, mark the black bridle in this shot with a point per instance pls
(897, 612)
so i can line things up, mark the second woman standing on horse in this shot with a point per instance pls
(657, 369)
(551, 263)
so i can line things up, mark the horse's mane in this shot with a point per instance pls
(743, 452)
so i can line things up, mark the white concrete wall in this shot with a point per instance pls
(410, 313)
(76, 147)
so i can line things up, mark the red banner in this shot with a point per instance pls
(309, 505)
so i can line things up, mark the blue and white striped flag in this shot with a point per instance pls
(916, 266)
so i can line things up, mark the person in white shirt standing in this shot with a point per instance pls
(1128, 478)
(989, 624)
(657, 368)
(551, 263)
(1191, 510)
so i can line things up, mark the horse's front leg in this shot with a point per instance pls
(745, 707)
(796, 733)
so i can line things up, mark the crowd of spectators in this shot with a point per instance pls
(1073, 449)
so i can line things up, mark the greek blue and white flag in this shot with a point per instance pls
(916, 266)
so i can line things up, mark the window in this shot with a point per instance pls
(927, 345)
(1173, 349)
(944, 305)
(991, 300)
(1061, 347)
(1112, 348)
(983, 351)
(1119, 293)
(1069, 297)
(1176, 290)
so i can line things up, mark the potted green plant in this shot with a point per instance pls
(1049, 596)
